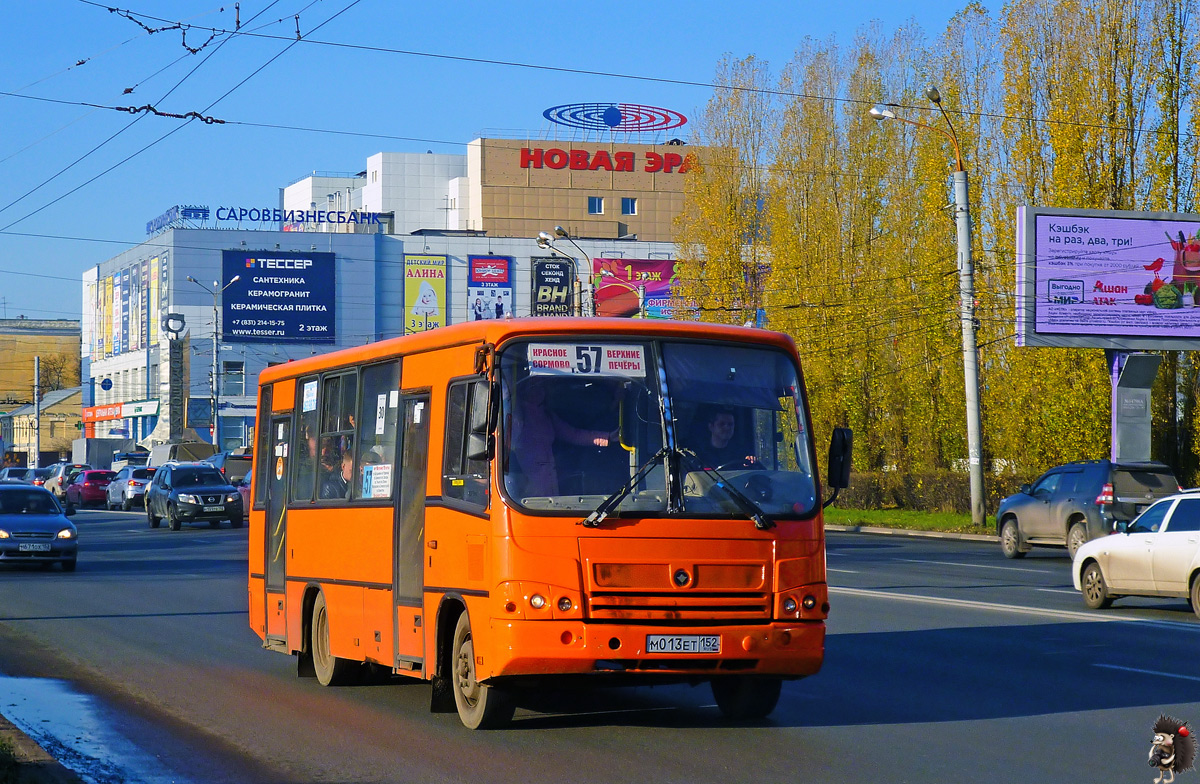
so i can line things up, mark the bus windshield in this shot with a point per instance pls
(579, 419)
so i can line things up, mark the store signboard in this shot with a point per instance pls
(553, 287)
(1108, 279)
(280, 296)
(489, 287)
(424, 292)
(620, 284)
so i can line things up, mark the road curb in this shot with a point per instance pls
(34, 764)
(873, 529)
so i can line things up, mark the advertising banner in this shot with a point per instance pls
(1108, 279)
(125, 301)
(489, 287)
(280, 296)
(616, 284)
(553, 287)
(424, 292)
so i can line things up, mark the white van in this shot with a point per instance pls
(188, 451)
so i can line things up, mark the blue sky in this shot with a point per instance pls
(439, 103)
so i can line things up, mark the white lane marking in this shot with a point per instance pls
(1147, 672)
(1057, 590)
(972, 566)
(1016, 609)
(842, 571)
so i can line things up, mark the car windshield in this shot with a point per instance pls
(197, 476)
(580, 419)
(100, 476)
(142, 473)
(26, 502)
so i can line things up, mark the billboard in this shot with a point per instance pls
(553, 287)
(125, 309)
(1108, 279)
(489, 287)
(424, 292)
(617, 285)
(281, 296)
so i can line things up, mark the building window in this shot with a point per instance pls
(233, 432)
(628, 206)
(595, 205)
(234, 377)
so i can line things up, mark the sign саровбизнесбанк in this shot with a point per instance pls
(281, 296)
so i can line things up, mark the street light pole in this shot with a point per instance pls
(545, 241)
(214, 397)
(966, 294)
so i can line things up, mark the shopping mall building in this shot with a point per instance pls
(412, 242)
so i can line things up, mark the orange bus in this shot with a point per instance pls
(497, 503)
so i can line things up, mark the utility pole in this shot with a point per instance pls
(966, 294)
(37, 411)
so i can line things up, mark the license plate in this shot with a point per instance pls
(214, 509)
(33, 547)
(683, 643)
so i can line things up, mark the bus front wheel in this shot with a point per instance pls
(480, 706)
(746, 698)
(330, 670)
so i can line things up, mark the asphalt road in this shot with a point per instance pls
(944, 662)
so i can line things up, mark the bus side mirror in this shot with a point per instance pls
(841, 445)
(481, 421)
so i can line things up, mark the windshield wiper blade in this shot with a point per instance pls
(748, 507)
(613, 501)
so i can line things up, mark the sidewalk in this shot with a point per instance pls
(871, 529)
(34, 765)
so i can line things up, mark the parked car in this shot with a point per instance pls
(1074, 503)
(60, 476)
(35, 529)
(192, 492)
(232, 465)
(1156, 554)
(128, 488)
(89, 487)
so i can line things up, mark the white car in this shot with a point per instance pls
(1155, 554)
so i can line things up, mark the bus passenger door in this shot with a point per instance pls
(409, 579)
(276, 532)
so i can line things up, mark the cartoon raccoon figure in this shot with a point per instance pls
(1173, 749)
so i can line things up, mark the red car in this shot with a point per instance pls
(89, 487)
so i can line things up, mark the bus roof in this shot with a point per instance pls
(498, 331)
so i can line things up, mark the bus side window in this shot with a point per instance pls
(304, 467)
(464, 479)
(376, 426)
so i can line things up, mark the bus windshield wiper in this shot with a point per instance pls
(748, 507)
(613, 501)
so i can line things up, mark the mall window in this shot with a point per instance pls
(233, 377)
(595, 205)
(628, 206)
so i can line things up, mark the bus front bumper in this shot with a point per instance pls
(522, 647)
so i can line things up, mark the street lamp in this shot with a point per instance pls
(215, 396)
(545, 240)
(966, 294)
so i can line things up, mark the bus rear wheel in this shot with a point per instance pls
(480, 707)
(330, 670)
(746, 698)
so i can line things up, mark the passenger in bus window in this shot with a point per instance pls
(535, 429)
(337, 484)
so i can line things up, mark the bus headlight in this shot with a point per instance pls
(564, 604)
(810, 602)
(789, 605)
(537, 601)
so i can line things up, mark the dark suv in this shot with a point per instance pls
(1077, 502)
(192, 492)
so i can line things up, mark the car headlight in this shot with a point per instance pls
(232, 497)
(66, 533)
(3, 534)
(188, 498)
